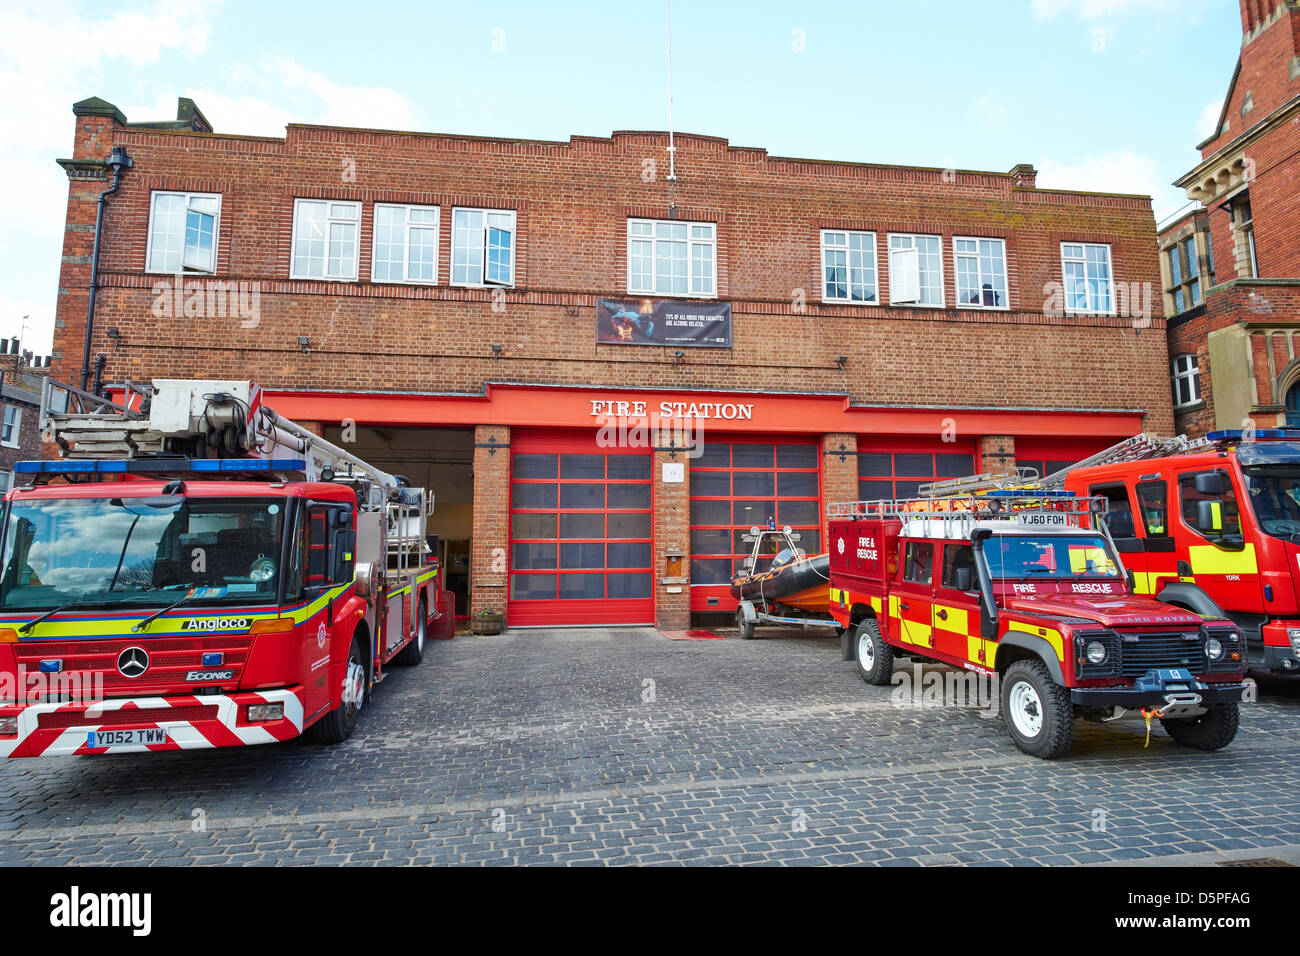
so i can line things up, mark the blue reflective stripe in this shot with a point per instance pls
(60, 466)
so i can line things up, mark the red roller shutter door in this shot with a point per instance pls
(581, 539)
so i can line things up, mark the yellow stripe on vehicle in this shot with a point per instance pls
(958, 619)
(976, 644)
(1208, 559)
(1046, 633)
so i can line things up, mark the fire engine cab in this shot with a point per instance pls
(197, 571)
(1211, 526)
(1022, 585)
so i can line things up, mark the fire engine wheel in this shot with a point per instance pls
(875, 657)
(1213, 730)
(1037, 710)
(745, 627)
(337, 726)
(413, 653)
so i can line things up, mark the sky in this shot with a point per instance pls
(1098, 94)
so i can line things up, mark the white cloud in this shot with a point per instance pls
(988, 110)
(1097, 9)
(1208, 121)
(1121, 172)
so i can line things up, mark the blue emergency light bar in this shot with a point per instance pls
(1260, 434)
(66, 466)
(1028, 493)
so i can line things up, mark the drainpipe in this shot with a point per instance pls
(117, 161)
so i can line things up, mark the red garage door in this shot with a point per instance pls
(739, 483)
(580, 532)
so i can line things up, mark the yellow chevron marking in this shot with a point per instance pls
(1046, 633)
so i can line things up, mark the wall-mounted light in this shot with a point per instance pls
(115, 337)
(679, 356)
(304, 343)
(841, 361)
(496, 350)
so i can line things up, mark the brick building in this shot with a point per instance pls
(21, 374)
(1230, 267)
(435, 300)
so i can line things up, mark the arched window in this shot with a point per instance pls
(1186, 378)
(1293, 406)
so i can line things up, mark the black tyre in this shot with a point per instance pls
(1213, 730)
(1036, 710)
(745, 627)
(337, 726)
(413, 653)
(875, 657)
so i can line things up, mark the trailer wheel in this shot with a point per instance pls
(413, 653)
(745, 627)
(1036, 710)
(1213, 730)
(337, 726)
(875, 657)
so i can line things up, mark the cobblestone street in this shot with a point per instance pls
(554, 747)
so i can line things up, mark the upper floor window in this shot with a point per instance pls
(981, 266)
(849, 266)
(325, 244)
(1184, 274)
(1186, 378)
(482, 247)
(1088, 281)
(405, 244)
(12, 424)
(667, 257)
(915, 270)
(183, 232)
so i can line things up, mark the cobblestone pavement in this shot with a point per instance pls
(551, 747)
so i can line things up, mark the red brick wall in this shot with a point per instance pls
(572, 201)
(491, 539)
(672, 522)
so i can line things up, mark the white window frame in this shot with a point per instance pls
(330, 220)
(188, 197)
(691, 243)
(15, 428)
(1065, 288)
(979, 272)
(912, 257)
(485, 282)
(848, 267)
(1191, 373)
(407, 226)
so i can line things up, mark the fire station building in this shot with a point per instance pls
(608, 368)
(1231, 264)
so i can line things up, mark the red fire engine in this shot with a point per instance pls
(197, 571)
(1212, 527)
(1011, 583)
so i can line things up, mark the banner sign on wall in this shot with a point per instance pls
(663, 322)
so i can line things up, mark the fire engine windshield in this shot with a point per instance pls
(1274, 493)
(140, 551)
(1049, 556)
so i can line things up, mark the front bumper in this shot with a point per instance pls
(191, 722)
(1135, 698)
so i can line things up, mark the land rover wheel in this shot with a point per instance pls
(1213, 730)
(337, 726)
(875, 657)
(745, 627)
(1036, 710)
(413, 653)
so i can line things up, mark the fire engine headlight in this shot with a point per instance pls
(1293, 635)
(8, 726)
(1214, 649)
(262, 569)
(260, 712)
(1096, 652)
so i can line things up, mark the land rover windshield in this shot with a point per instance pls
(141, 551)
(1049, 557)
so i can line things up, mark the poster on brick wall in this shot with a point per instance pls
(663, 322)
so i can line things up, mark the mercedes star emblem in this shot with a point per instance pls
(132, 662)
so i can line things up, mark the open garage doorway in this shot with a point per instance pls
(441, 460)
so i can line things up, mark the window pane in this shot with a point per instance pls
(798, 484)
(745, 455)
(629, 555)
(532, 587)
(532, 526)
(534, 466)
(582, 526)
(629, 526)
(582, 466)
(754, 483)
(629, 585)
(529, 495)
(704, 512)
(874, 463)
(750, 513)
(582, 587)
(582, 496)
(629, 496)
(796, 456)
(798, 513)
(711, 571)
(710, 541)
(914, 465)
(707, 484)
(585, 555)
(533, 556)
(629, 466)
